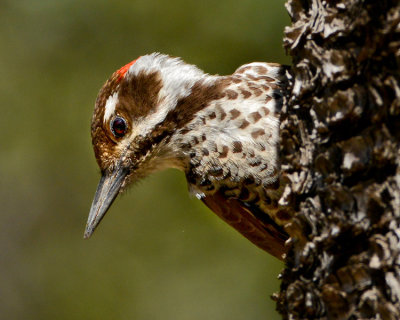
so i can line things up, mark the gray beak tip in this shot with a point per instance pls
(88, 233)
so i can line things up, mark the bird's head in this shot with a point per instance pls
(138, 111)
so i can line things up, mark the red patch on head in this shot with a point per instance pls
(121, 72)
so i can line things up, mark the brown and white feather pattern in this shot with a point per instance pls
(222, 131)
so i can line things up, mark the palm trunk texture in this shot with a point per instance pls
(340, 136)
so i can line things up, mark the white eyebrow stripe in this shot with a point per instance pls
(110, 106)
(178, 79)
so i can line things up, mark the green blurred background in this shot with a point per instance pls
(158, 254)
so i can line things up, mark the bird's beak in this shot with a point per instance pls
(107, 190)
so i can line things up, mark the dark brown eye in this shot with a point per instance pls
(118, 127)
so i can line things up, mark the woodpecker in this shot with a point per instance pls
(159, 112)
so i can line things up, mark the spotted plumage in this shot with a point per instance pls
(222, 131)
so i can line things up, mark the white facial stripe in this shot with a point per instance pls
(110, 106)
(144, 127)
(178, 79)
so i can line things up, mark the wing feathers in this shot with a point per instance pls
(266, 236)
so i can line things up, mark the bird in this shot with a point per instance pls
(159, 112)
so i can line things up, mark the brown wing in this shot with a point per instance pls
(266, 236)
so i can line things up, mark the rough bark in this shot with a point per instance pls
(341, 153)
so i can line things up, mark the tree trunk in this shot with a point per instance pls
(340, 137)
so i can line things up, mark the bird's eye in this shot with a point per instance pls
(118, 127)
